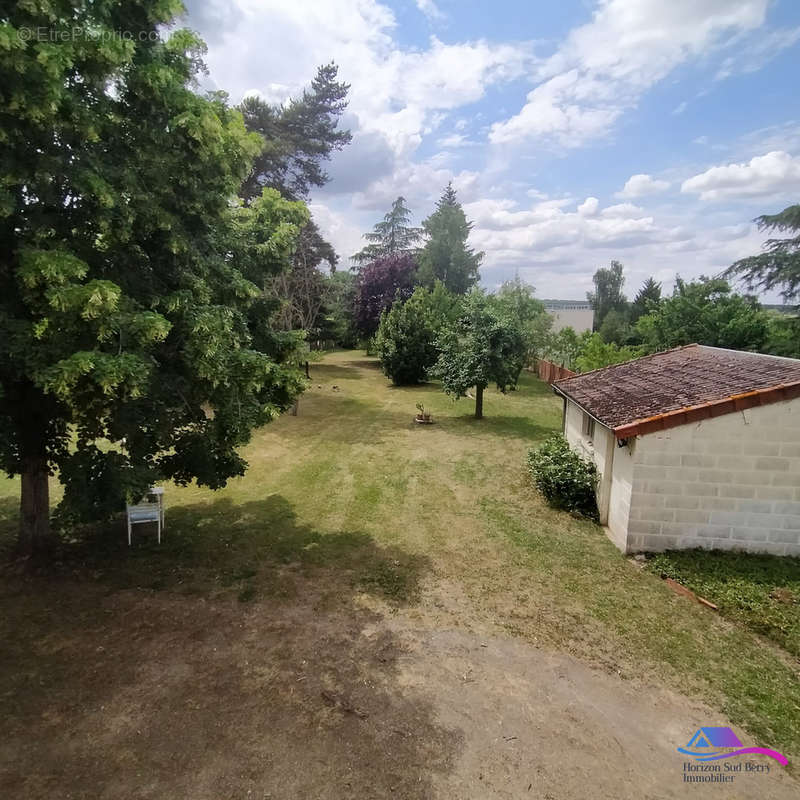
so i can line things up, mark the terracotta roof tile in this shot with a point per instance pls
(671, 382)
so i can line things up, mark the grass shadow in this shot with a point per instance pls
(503, 427)
(332, 372)
(141, 678)
(364, 363)
(243, 548)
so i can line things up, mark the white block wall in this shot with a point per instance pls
(732, 482)
(598, 449)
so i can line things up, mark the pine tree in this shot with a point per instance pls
(646, 300)
(779, 266)
(392, 235)
(297, 137)
(446, 256)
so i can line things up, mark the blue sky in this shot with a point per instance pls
(575, 132)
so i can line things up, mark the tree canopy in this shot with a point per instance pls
(647, 298)
(135, 342)
(778, 267)
(378, 285)
(517, 299)
(481, 347)
(405, 343)
(706, 311)
(607, 294)
(446, 257)
(391, 236)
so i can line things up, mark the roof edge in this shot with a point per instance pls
(629, 361)
(714, 408)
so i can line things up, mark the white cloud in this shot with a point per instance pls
(430, 9)
(603, 67)
(753, 56)
(456, 140)
(641, 185)
(395, 90)
(680, 108)
(775, 173)
(588, 208)
(628, 210)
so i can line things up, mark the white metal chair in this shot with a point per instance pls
(149, 509)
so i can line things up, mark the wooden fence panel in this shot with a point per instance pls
(550, 372)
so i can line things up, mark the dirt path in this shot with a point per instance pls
(138, 694)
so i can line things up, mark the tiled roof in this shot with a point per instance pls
(681, 385)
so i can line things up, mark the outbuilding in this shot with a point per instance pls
(695, 447)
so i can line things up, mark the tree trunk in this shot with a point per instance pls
(479, 402)
(35, 535)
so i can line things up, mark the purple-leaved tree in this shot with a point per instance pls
(379, 284)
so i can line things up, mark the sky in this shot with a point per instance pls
(576, 132)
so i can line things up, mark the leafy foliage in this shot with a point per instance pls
(784, 335)
(706, 311)
(563, 477)
(778, 267)
(391, 236)
(300, 290)
(565, 346)
(479, 348)
(595, 353)
(516, 299)
(378, 285)
(446, 257)
(336, 321)
(616, 327)
(133, 323)
(405, 343)
(607, 294)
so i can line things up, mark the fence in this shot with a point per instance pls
(550, 372)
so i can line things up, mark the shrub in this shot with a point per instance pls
(563, 477)
(405, 340)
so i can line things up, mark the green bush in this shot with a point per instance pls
(563, 477)
(405, 340)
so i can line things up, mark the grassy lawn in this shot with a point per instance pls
(760, 591)
(438, 523)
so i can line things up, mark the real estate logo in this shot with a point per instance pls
(717, 743)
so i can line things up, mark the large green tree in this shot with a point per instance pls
(517, 299)
(706, 311)
(778, 267)
(607, 295)
(482, 346)
(393, 235)
(135, 342)
(446, 256)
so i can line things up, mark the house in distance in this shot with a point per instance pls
(575, 314)
(695, 447)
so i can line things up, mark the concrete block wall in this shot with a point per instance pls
(732, 482)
